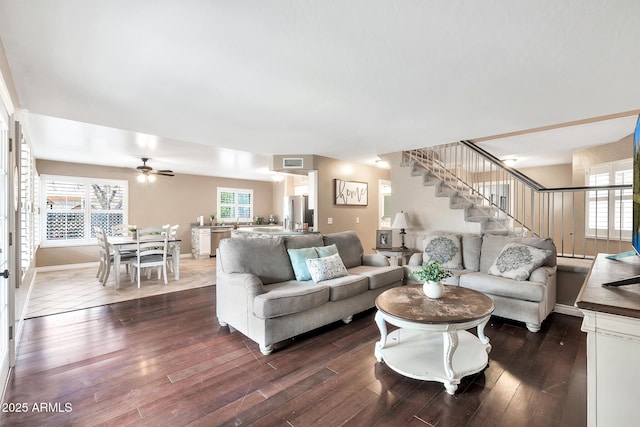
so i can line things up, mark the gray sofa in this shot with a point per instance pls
(257, 292)
(478, 264)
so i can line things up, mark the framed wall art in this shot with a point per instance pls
(383, 239)
(352, 193)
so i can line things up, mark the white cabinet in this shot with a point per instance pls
(612, 323)
(200, 242)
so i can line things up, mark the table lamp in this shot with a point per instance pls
(401, 221)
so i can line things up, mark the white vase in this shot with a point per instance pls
(433, 290)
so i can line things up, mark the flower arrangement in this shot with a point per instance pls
(432, 272)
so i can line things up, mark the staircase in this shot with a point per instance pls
(427, 164)
(505, 201)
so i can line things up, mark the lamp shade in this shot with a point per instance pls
(401, 220)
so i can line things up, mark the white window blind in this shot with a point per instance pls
(74, 207)
(610, 212)
(235, 205)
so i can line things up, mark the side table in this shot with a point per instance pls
(397, 256)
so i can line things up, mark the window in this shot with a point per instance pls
(235, 205)
(610, 212)
(72, 208)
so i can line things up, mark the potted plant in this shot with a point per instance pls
(432, 274)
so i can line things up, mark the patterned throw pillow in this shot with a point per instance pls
(517, 261)
(326, 268)
(443, 248)
(298, 262)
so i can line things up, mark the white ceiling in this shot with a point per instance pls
(198, 85)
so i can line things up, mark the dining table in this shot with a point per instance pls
(121, 244)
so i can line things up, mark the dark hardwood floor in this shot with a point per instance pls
(164, 360)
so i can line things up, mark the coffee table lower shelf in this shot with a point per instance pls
(421, 355)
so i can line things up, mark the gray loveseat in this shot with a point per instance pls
(485, 263)
(257, 292)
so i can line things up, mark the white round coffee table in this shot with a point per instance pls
(433, 343)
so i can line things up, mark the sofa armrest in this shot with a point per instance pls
(416, 259)
(249, 283)
(542, 274)
(375, 260)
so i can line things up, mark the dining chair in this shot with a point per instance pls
(122, 229)
(151, 252)
(106, 256)
(173, 235)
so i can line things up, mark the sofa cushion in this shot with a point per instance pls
(379, 276)
(346, 286)
(517, 261)
(471, 247)
(509, 288)
(303, 241)
(324, 251)
(289, 297)
(266, 258)
(492, 246)
(299, 262)
(444, 248)
(326, 268)
(349, 247)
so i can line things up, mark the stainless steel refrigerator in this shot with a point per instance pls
(297, 212)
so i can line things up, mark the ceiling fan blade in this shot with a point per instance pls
(165, 173)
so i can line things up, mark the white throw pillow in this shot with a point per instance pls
(517, 261)
(444, 248)
(326, 268)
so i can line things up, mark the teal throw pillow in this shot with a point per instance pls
(324, 251)
(299, 262)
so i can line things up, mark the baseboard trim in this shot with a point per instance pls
(568, 310)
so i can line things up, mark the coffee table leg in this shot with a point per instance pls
(482, 337)
(450, 341)
(382, 326)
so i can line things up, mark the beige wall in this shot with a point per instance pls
(362, 219)
(175, 200)
(180, 199)
(5, 75)
(583, 159)
(555, 176)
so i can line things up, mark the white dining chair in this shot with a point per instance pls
(173, 235)
(151, 252)
(106, 256)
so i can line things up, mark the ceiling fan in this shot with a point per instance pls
(147, 173)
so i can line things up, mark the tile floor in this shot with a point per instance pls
(67, 290)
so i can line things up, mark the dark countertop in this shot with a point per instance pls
(623, 300)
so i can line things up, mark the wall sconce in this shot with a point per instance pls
(401, 221)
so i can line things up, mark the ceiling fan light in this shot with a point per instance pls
(141, 178)
(151, 178)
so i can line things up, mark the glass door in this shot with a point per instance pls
(5, 209)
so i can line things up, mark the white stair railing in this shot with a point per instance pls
(568, 215)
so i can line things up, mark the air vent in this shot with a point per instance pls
(293, 163)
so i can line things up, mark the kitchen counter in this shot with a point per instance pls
(271, 231)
